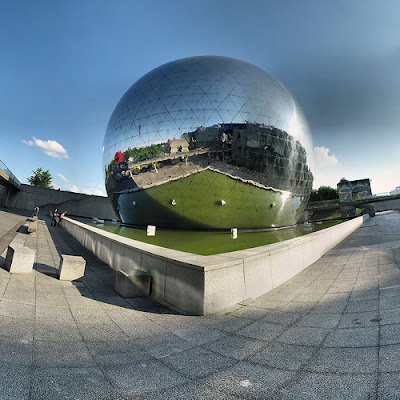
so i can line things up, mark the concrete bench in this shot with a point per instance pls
(71, 268)
(19, 259)
(32, 227)
(134, 284)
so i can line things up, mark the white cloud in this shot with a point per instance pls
(63, 178)
(97, 190)
(91, 188)
(324, 159)
(73, 188)
(49, 147)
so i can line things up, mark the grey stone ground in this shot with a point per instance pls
(332, 331)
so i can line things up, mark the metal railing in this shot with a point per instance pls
(12, 178)
(374, 196)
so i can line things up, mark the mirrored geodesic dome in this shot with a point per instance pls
(208, 142)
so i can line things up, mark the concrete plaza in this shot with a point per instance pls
(333, 331)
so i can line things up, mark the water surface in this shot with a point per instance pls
(207, 243)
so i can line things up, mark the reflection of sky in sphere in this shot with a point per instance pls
(182, 95)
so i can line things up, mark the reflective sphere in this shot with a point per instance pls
(208, 142)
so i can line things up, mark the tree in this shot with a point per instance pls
(323, 193)
(328, 193)
(314, 196)
(41, 178)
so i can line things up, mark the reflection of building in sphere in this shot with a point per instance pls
(202, 129)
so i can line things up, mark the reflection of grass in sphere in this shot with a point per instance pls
(198, 203)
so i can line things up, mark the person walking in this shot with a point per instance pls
(53, 221)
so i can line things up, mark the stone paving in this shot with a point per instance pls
(333, 331)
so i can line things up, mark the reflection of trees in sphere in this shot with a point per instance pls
(208, 142)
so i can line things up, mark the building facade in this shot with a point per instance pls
(354, 190)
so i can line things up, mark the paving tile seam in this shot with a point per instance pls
(359, 312)
(319, 372)
(223, 390)
(17, 318)
(33, 350)
(104, 370)
(234, 333)
(348, 347)
(296, 377)
(179, 371)
(288, 327)
(300, 374)
(4, 291)
(93, 359)
(264, 346)
(76, 367)
(379, 367)
(5, 300)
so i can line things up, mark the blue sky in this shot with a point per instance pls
(65, 64)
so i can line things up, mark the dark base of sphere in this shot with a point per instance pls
(209, 200)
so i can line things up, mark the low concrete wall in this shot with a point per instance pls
(3, 195)
(204, 285)
(387, 205)
(78, 204)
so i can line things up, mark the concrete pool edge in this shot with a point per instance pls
(204, 285)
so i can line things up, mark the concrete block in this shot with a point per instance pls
(19, 259)
(151, 230)
(157, 268)
(71, 267)
(370, 210)
(136, 284)
(32, 227)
